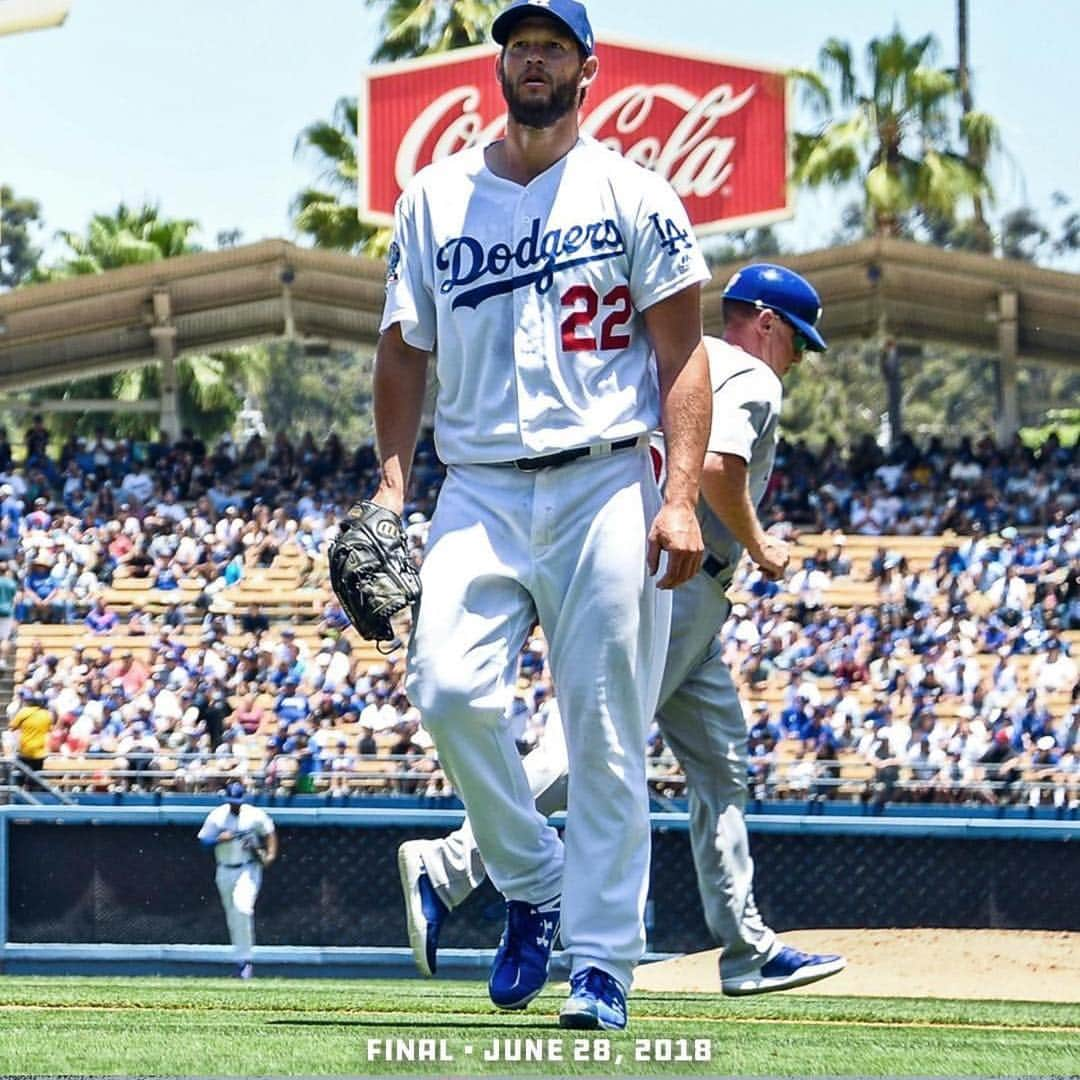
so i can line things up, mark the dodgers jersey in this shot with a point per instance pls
(747, 396)
(250, 821)
(532, 297)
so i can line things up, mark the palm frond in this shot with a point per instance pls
(946, 179)
(981, 132)
(813, 90)
(889, 190)
(835, 59)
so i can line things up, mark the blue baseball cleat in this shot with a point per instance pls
(596, 1001)
(787, 969)
(520, 968)
(424, 911)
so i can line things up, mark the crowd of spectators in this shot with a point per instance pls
(911, 490)
(953, 681)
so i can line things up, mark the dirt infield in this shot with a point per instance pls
(1012, 965)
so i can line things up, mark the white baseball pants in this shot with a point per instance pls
(567, 546)
(239, 889)
(702, 720)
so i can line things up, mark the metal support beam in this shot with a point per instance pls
(78, 405)
(163, 333)
(1008, 330)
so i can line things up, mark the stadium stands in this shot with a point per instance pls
(174, 614)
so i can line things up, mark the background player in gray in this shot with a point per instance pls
(244, 841)
(769, 316)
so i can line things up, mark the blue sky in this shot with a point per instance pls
(196, 105)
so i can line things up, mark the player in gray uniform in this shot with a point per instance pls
(769, 314)
(244, 841)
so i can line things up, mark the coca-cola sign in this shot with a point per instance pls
(717, 130)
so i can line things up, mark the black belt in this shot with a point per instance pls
(235, 865)
(713, 566)
(564, 457)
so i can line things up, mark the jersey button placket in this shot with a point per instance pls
(528, 342)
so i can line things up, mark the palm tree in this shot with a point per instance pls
(210, 388)
(892, 135)
(419, 27)
(19, 217)
(328, 214)
(127, 237)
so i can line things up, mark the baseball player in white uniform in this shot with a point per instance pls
(770, 315)
(244, 841)
(560, 286)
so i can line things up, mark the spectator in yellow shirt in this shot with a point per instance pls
(33, 722)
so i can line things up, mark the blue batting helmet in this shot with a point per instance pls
(235, 791)
(779, 289)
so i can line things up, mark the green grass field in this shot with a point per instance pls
(154, 1026)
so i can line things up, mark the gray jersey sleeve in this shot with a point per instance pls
(747, 397)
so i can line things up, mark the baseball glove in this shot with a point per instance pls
(256, 847)
(371, 572)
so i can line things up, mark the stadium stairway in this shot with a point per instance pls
(7, 691)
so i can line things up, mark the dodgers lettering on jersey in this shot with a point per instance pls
(747, 397)
(533, 298)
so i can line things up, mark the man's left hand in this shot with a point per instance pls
(676, 530)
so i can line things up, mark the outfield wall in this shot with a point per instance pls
(76, 879)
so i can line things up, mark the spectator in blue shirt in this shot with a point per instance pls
(100, 620)
(291, 705)
(42, 600)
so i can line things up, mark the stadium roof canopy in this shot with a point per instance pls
(872, 290)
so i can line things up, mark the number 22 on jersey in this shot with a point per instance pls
(579, 328)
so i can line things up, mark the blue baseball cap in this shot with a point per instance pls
(235, 791)
(779, 289)
(569, 13)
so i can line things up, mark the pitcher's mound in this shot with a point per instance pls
(1013, 965)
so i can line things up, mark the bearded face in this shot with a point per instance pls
(539, 98)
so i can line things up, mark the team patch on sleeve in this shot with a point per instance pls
(673, 240)
(393, 263)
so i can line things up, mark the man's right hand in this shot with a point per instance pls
(771, 554)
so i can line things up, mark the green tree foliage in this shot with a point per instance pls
(1024, 235)
(211, 388)
(419, 27)
(327, 213)
(888, 130)
(19, 217)
(946, 393)
(127, 237)
(303, 392)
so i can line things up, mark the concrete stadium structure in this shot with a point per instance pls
(879, 291)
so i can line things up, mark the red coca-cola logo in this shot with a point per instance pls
(717, 131)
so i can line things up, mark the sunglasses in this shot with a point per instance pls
(799, 341)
